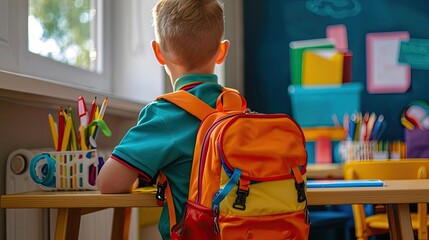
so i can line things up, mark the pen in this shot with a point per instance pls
(53, 127)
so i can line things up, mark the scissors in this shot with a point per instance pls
(42, 170)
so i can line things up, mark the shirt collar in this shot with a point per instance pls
(194, 79)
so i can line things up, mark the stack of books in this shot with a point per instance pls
(317, 62)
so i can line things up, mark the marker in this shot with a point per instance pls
(83, 116)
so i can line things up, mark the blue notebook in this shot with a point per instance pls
(344, 183)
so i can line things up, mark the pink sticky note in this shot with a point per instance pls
(338, 33)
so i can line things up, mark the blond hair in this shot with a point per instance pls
(189, 31)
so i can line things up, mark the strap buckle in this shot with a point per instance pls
(240, 201)
(160, 193)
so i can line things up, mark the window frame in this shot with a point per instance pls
(45, 68)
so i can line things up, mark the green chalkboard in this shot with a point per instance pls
(270, 25)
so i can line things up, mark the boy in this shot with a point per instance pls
(188, 44)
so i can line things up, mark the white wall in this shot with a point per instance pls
(136, 73)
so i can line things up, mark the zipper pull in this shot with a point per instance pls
(215, 219)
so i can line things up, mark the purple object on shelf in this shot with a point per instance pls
(417, 141)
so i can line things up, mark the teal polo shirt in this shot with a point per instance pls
(164, 139)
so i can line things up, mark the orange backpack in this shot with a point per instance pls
(248, 174)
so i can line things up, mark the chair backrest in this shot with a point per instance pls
(387, 170)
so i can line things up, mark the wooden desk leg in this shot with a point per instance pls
(400, 221)
(121, 223)
(68, 222)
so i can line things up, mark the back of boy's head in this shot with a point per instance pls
(189, 31)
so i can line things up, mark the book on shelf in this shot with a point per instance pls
(347, 67)
(322, 67)
(297, 49)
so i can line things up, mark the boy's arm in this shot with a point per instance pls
(115, 177)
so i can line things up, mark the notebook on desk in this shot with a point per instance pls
(344, 183)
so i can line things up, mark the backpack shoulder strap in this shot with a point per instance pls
(195, 107)
(229, 99)
(189, 103)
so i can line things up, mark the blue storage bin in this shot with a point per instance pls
(314, 106)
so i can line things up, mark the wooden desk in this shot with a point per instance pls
(396, 194)
(73, 204)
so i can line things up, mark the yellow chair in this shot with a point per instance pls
(148, 223)
(376, 224)
(148, 218)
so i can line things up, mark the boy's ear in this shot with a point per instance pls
(157, 51)
(223, 51)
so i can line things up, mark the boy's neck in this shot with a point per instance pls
(176, 71)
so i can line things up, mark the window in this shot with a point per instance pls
(66, 42)
(66, 31)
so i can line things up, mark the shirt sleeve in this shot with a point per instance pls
(148, 146)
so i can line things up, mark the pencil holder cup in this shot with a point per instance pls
(360, 151)
(68, 170)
